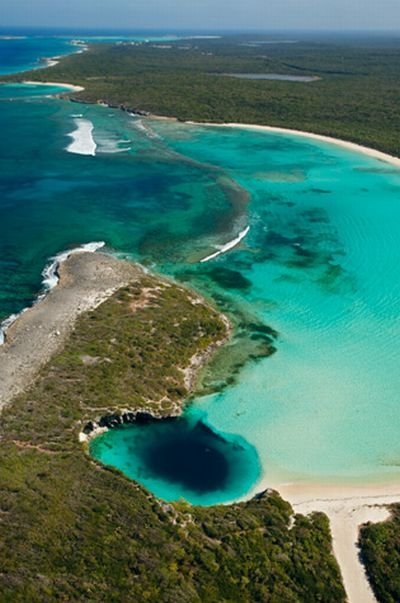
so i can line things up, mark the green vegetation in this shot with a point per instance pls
(73, 530)
(380, 550)
(356, 97)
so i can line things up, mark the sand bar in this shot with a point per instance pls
(86, 280)
(351, 146)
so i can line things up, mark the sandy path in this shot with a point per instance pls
(345, 521)
(347, 509)
(86, 280)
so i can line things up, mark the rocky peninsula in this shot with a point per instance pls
(86, 280)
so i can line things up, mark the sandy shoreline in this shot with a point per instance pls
(351, 146)
(347, 509)
(70, 87)
(86, 280)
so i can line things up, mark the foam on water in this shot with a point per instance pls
(50, 280)
(83, 142)
(6, 324)
(111, 144)
(228, 246)
(51, 271)
(145, 128)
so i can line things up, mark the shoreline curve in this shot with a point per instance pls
(70, 87)
(350, 146)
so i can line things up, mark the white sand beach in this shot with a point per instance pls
(351, 146)
(70, 87)
(347, 507)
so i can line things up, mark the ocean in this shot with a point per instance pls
(318, 261)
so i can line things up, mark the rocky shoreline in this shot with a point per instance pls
(112, 421)
(86, 280)
(121, 107)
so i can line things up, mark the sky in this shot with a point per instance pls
(203, 14)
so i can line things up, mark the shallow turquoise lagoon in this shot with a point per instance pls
(320, 264)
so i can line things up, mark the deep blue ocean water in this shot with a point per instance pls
(20, 52)
(320, 264)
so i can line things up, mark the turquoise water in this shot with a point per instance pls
(320, 265)
(181, 459)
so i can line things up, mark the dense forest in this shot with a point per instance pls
(380, 546)
(355, 97)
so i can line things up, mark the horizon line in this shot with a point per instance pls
(250, 30)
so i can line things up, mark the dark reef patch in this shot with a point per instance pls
(229, 279)
(315, 215)
(320, 191)
(276, 239)
(226, 278)
(252, 339)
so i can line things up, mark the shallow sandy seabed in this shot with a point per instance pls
(351, 146)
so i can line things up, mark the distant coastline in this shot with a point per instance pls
(351, 146)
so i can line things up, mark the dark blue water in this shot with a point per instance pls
(184, 457)
(21, 53)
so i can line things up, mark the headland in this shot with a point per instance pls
(86, 280)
